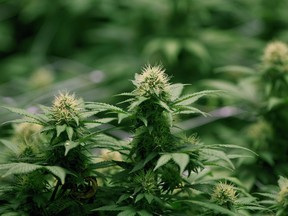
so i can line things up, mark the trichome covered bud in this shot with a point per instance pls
(66, 108)
(152, 82)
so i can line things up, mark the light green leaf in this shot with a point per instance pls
(122, 116)
(57, 171)
(191, 98)
(163, 160)
(26, 114)
(171, 48)
(125, 94)
(188, 110)
(196, 48)
(234, 147)
(70, 132)
(235, 69)
(176, 90)
(181, 159)
(6, 166)
(60, 129)
(76, 119)
(70, 145)
(100, 107)
(12, 146)
(214, 155)
(21, 168)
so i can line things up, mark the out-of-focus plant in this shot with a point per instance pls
(275, 198)
(262, 93)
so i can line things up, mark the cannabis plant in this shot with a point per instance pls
(261, 93)
(46, 169)
(50, 167)
(157, 165)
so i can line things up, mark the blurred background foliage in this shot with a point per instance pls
(94, 47)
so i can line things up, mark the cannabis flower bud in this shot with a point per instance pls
(276, 52)
(152, 82)
(224, 194)
(275, 58)
(282, 197)
(66, 108)
(26, 130)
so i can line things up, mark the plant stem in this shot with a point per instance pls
(55, 191)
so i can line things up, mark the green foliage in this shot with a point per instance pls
(261, 92)
(155, 171)
(53, 169)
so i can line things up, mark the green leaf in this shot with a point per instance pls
(12, 146)
(6, 166)
(128, 212)
(142, 163)
(137, 103)
(101, 107)
(171, 48)
(245, 200)
(139, 197)
(102, 164)
(76, 119)
(109, 208)
(197, 49)
(188, 110)
(144, 120)
(70, 145)
(164, 105)
(122, 116)
(235, 69)
(176, 90)
(213, 155)
(181, 159)
(23, 112)
(163, 160)
(191, 98)
(57, 171)
(122, 198)
(69, 131)
(213, 207)
(144, 213)
(21, 168)
(60, 129)
(126, 94)
(149, 197)
(234, 147)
